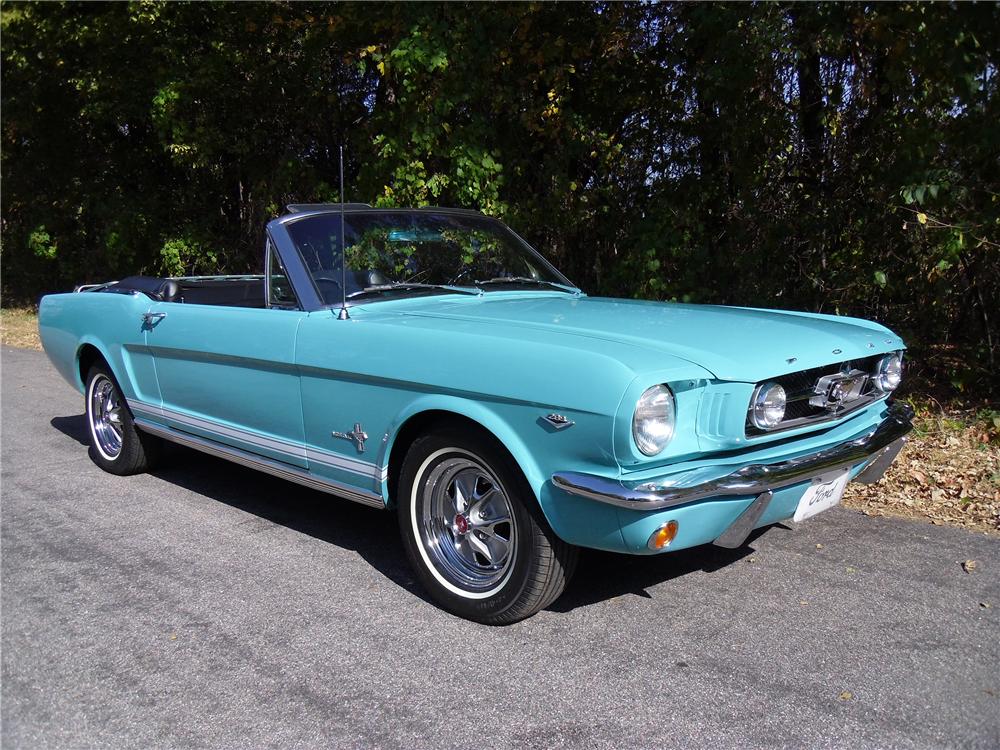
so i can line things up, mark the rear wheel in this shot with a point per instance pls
(115, 443)
(474, 533)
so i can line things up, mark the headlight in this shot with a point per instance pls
(889, 373)
(653, 421)
(767, 407)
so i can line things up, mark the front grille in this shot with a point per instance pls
(799, 388)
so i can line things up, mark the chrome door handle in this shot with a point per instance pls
(151, 317)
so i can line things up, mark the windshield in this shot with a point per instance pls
(396, 253)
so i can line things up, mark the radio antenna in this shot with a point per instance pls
(343, 314)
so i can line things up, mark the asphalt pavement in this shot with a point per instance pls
(208, 605)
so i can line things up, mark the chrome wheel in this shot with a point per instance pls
(472, 529)
(466, 524)
(105, 416)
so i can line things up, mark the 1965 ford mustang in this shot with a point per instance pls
(429, 360)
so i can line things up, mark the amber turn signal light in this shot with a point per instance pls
(663, 536)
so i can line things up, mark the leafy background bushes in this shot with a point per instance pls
(843, 158)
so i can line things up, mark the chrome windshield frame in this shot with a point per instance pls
(302, 281)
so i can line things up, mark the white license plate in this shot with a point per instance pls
(824, 492)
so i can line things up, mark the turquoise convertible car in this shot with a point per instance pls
(431, 362)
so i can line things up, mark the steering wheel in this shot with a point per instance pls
(329, 288)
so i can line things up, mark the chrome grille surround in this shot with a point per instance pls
(810, 397)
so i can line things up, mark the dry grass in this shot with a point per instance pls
(948, 473)
(19, 327)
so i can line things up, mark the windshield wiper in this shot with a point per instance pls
(529, 280)
(404, 286)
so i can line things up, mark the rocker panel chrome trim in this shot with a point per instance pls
(283, 471)
(236, 433)
(317, 455)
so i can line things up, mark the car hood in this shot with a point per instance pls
(733, 343)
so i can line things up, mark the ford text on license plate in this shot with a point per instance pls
(824, 492)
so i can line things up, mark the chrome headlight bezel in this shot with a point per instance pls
(654, 420)
(767, 406)
(888, 373)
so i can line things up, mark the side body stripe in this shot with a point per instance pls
(147, 412)
(278, 469)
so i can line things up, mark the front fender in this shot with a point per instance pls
(536, 450)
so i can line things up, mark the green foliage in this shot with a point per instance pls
(41, 245)
(183, 256)
(833, 157)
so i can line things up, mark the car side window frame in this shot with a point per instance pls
(270, 256)
(298, 275)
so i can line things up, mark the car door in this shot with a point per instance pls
(227, 373)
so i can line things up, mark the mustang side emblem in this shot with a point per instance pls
(357, 435)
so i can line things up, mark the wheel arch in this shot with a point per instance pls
(91, 351)
(422, 418)
(86, 356)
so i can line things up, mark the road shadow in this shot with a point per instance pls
(605, 575)
(74, 427)
(371, 533)
(374, 536)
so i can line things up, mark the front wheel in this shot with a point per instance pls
(474, 533)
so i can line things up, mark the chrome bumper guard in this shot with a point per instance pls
(879, 446)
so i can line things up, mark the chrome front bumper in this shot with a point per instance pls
(877, 446)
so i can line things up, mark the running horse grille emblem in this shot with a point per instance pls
(358, 436)
(834, 392)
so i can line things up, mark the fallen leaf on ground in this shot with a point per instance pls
(846, 695)
(969, 565)
(947, 474)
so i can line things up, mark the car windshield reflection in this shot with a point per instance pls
(397, 253)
